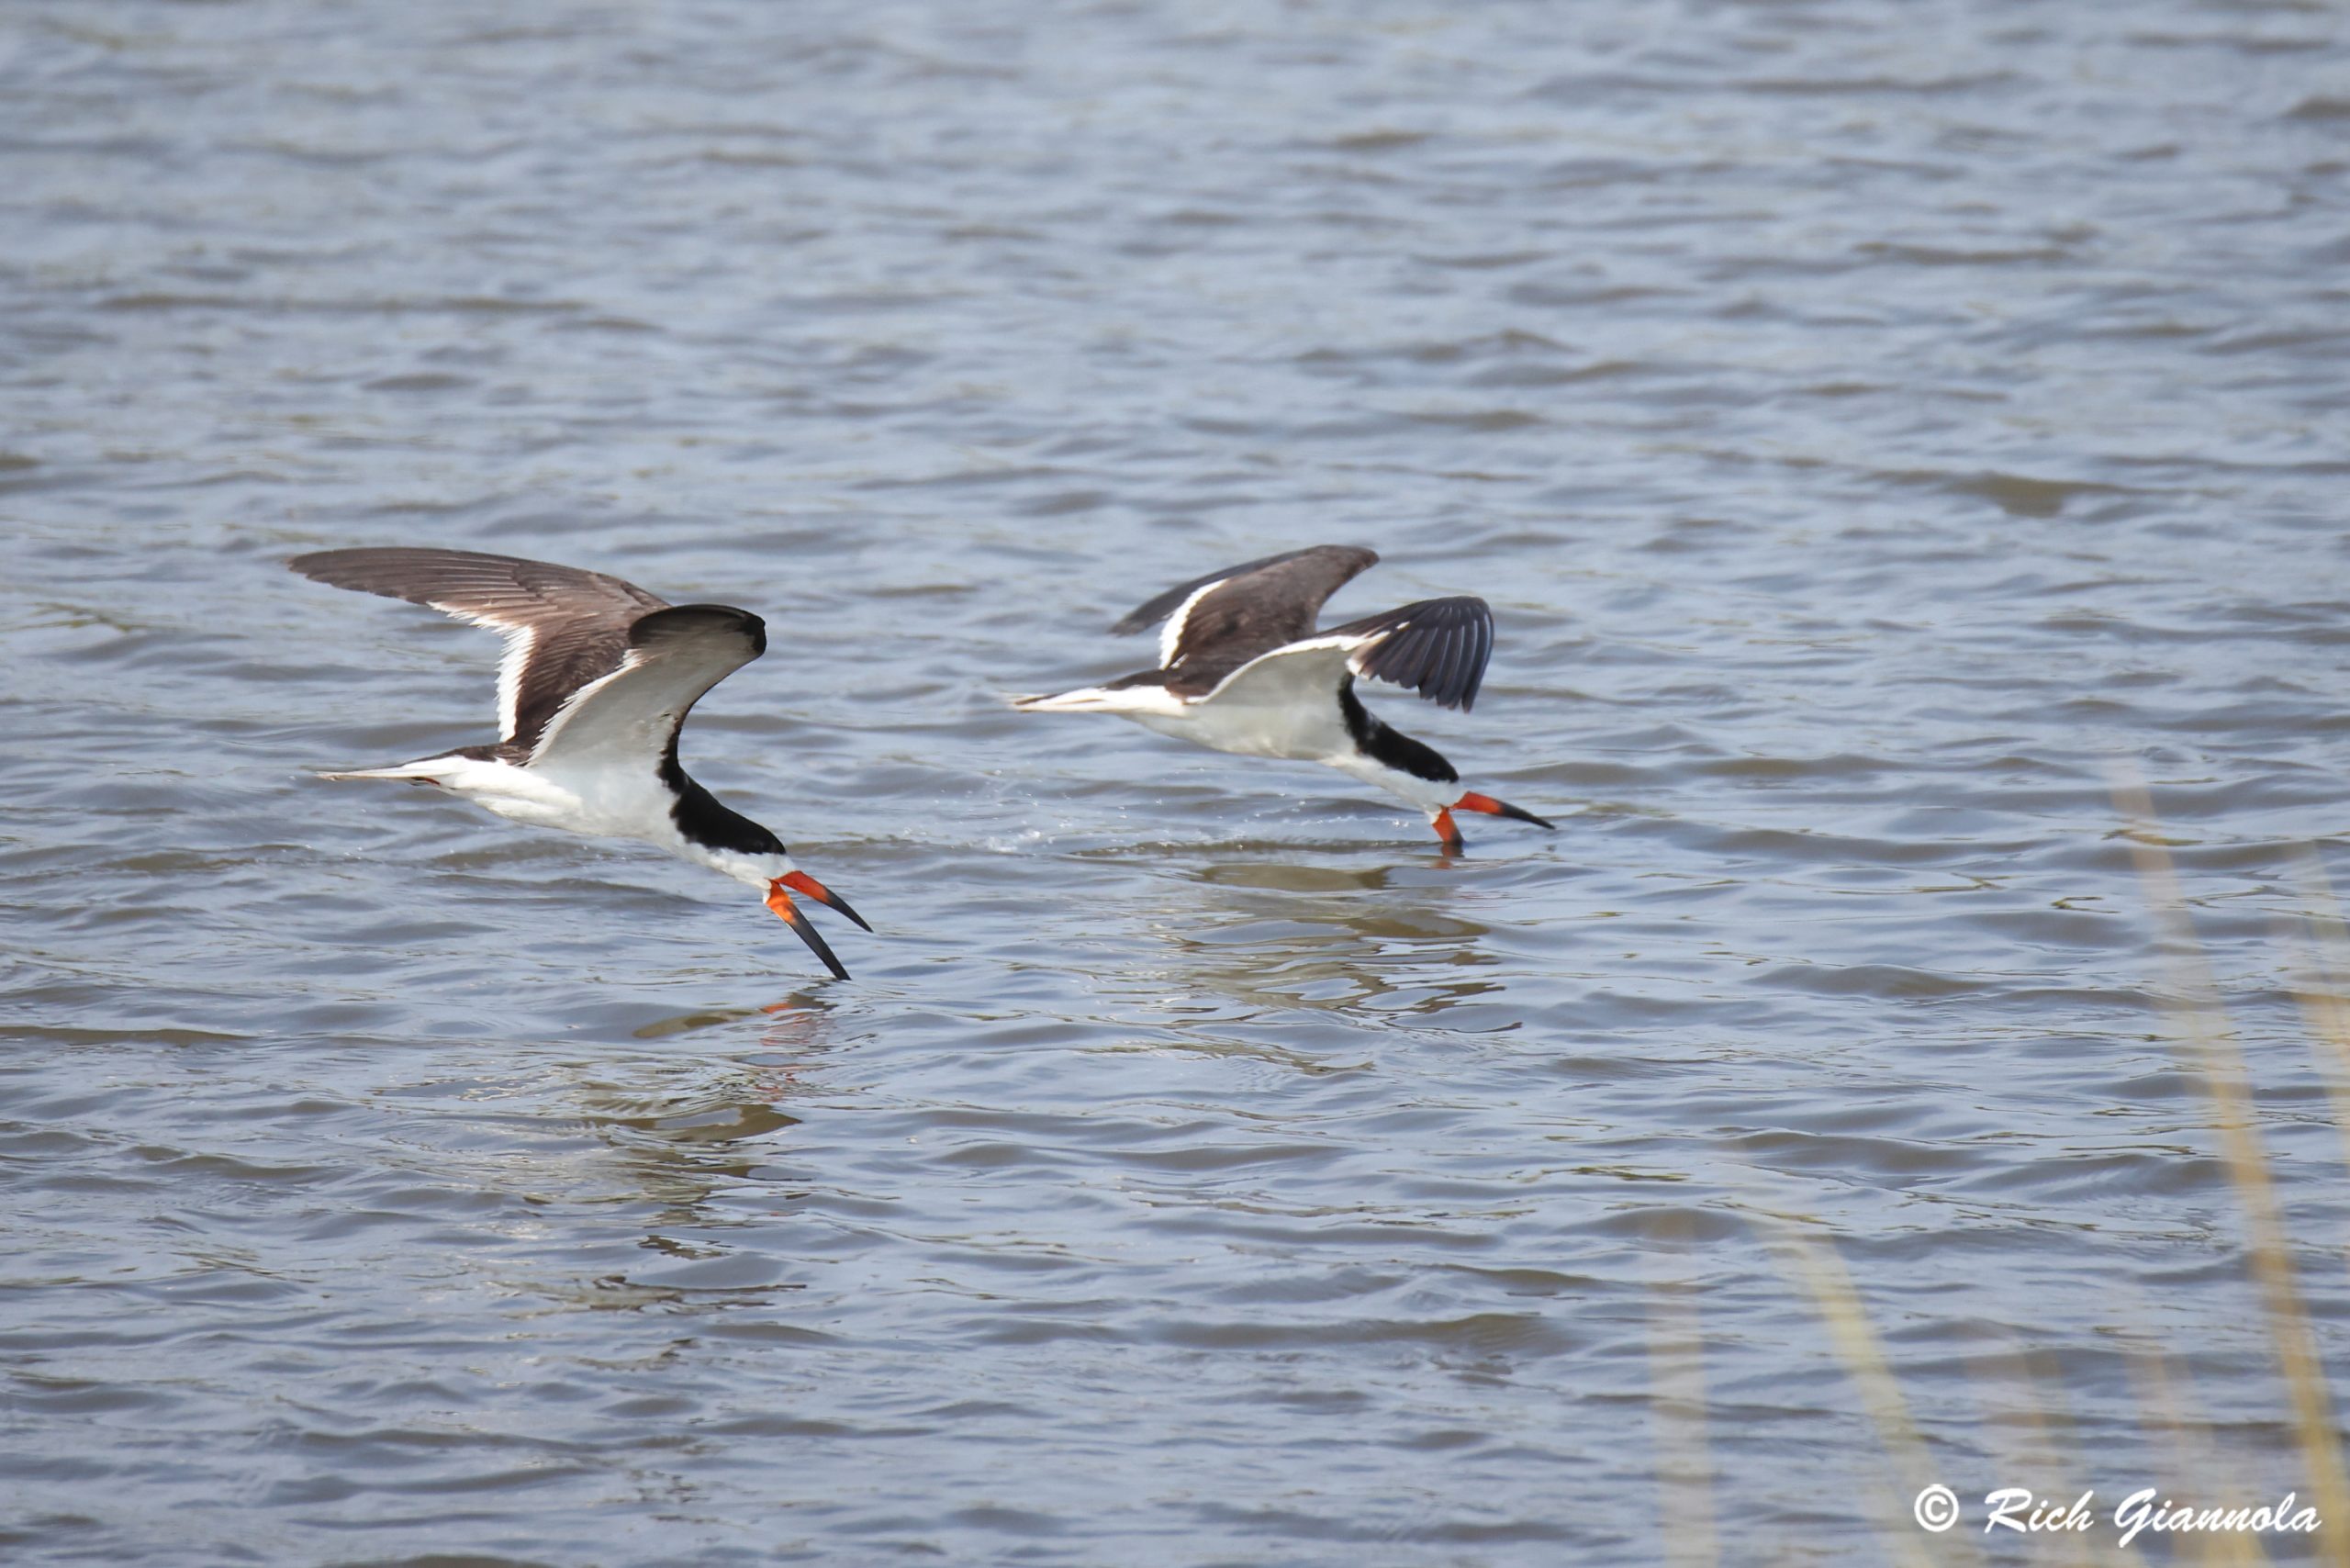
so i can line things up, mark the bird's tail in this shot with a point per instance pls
(422, 771)
(1085, 699)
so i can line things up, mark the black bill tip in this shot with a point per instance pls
(1492, 808)
(802, 883)
(789, 914)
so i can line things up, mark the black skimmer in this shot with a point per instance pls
(598, 679)
(1242, 670)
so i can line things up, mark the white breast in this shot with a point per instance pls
(627, 801)
(1300, 731)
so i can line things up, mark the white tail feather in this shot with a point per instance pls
(427, 771)
(1090, 700)
(1128, 700)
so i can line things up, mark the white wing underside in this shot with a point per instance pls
(632, 713)
(1283, 704)
(1307, 668)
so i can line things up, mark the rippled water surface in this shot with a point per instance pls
(1874, 426)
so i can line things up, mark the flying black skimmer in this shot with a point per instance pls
(1242, 670)
(598, 679)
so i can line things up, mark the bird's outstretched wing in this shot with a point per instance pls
(563, 627)
(672, 655)
(1436, 648)
(1218, 622)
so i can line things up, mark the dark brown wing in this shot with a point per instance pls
(564, 627)
(1218, 622)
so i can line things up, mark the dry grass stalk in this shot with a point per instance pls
(1815, 1265)
(2325, 1000)
(1677, 1373)
(2218, 1065)
(2042, 1446)
(2192, 1452)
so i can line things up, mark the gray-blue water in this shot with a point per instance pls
(1873, 425)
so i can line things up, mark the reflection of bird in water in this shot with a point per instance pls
(722, 1123)
(791, 1031)
(794, 1032)
(598, 679)
(1345, 940)
(794, 1022)
(1241, 669)
(677, 1149)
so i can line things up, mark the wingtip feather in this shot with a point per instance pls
(1436, 648)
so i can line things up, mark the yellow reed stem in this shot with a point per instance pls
(2218, 1065)
(1817, 1267)
(1685, 1460)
